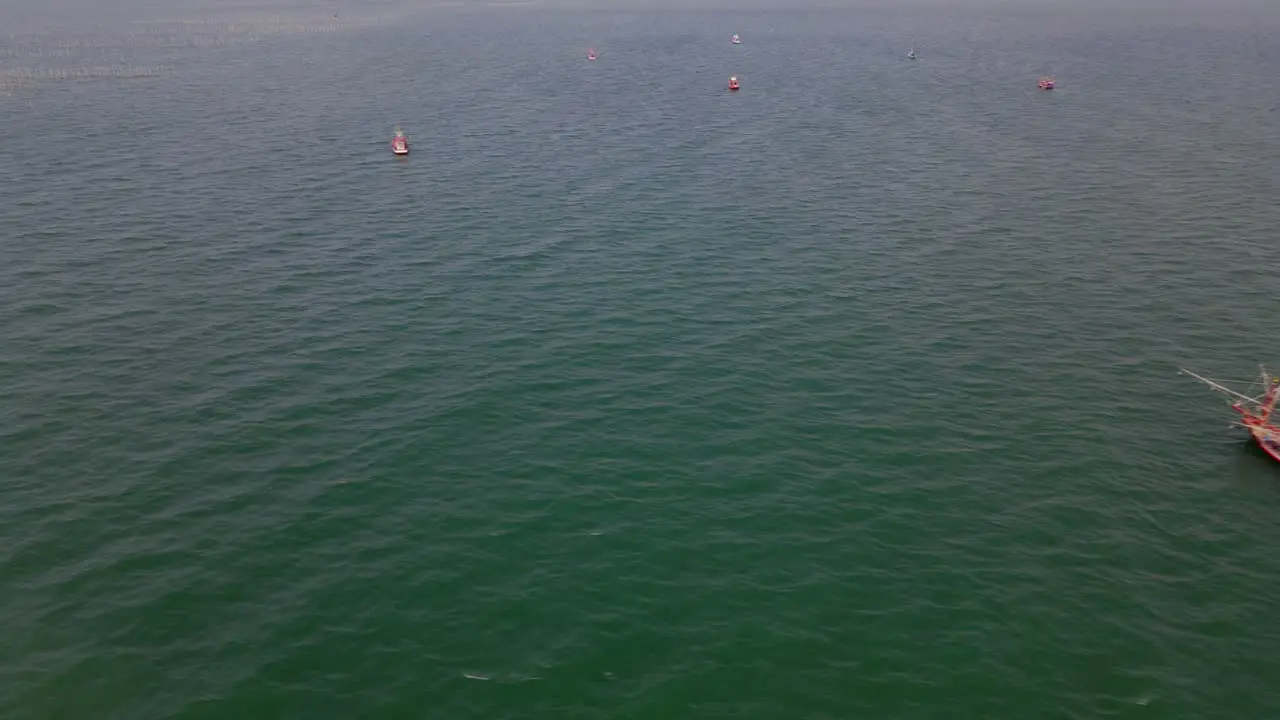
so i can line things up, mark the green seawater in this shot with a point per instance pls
(853, 394)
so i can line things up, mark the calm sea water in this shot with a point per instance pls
(852, 394)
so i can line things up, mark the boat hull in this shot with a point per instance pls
(1268, 440)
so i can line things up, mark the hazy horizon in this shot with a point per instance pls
(19, 10)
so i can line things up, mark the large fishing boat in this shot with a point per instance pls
(1255, 406)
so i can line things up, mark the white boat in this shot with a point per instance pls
(735, 39)
(911, 54)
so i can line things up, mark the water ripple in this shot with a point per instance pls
(849, 394)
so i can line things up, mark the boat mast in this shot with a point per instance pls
(1272, 385)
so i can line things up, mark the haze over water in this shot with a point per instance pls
(852, 394)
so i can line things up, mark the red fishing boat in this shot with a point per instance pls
(400, 143)
(1255, 405)
(733, 83)
(1046, 83)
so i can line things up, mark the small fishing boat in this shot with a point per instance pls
(733, 83)
(1046, 83)
(591, 53)
(399, 144)
(1255, 405)
(735, 39)
(911, 54)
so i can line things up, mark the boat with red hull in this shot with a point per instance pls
(1046, 84)
(399, 144)
(1256, 405)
